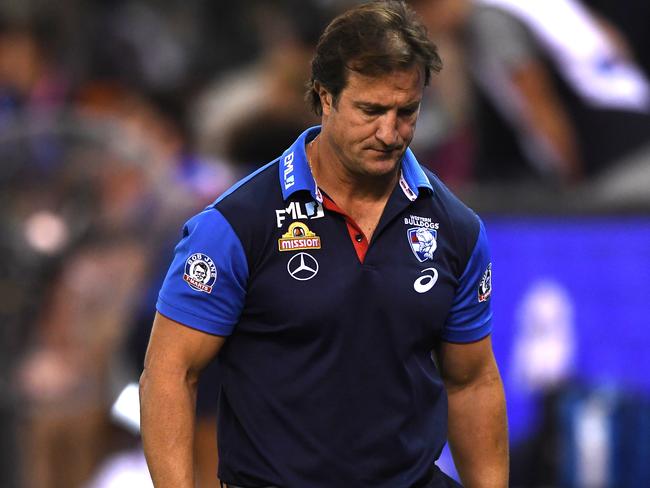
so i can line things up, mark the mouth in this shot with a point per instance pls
(389, 150)
(384, 153)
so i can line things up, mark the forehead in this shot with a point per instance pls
(400, 86)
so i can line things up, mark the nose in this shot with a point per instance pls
(387, 131)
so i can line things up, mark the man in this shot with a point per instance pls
(325, 335)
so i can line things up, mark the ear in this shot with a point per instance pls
(325, 98)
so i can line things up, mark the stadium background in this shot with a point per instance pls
(119, 119)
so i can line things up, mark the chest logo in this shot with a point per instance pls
(425, 282)
(297, 210)
(302, 266)
(200, 272)
(298, 237)
(423, 242)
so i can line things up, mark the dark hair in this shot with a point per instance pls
(373, 39)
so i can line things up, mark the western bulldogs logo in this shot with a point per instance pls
(200, 272)
(423, 242)
(485, 285)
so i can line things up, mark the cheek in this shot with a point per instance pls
(353, 131)
(407, 130)
(362, 136)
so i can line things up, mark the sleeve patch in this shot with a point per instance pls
(470, 314)
(485, 285)
(200, 272)
(205, 286)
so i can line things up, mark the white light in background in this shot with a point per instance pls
(126, 409)
(46, 232)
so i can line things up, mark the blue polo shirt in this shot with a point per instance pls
(328, 379)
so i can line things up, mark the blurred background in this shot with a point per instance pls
(120, 119)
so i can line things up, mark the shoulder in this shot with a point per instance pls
(496, 21)
(464, 228)
(499, 35)
(246, 211)
(242, 209)
(244, 203)
(256, 190)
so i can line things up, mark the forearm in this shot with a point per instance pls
(548, 119)
(478, 433)
(167, 406)
(557, 131)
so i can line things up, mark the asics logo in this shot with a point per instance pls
(425, 282)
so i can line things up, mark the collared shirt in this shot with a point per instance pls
(328, 378)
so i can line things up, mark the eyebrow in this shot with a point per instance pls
(379, 106)
(372, 106)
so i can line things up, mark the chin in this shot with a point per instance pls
(381, 167)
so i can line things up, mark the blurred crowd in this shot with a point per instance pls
(120, 119)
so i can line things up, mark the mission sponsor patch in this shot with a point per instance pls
(298, 237)
(200, 272)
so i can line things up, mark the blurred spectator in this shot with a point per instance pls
(64, 378)
(78, 220)
(29, 78)
(141, 130)
(585, 435)
(553, 90)
(105, 208)
(444, 140)
(268, 93)
(30, 82)
(630, 17)
(184, 183)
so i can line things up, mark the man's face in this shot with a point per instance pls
(373, 121)
(199, 273)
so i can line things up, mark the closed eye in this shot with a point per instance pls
(373, 111)
(410, 110)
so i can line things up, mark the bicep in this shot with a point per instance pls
(461, 365)
(175, 347)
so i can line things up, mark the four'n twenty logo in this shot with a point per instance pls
(289, 178)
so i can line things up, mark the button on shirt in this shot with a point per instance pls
(328, 378)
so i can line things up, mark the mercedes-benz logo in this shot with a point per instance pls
(302, 266)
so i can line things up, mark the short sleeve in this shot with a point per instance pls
(471, 313)
(205, 286)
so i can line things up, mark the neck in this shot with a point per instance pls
(342, 185)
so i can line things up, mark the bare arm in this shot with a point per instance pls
(175, 357)
(548, 117)
(477, 413)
